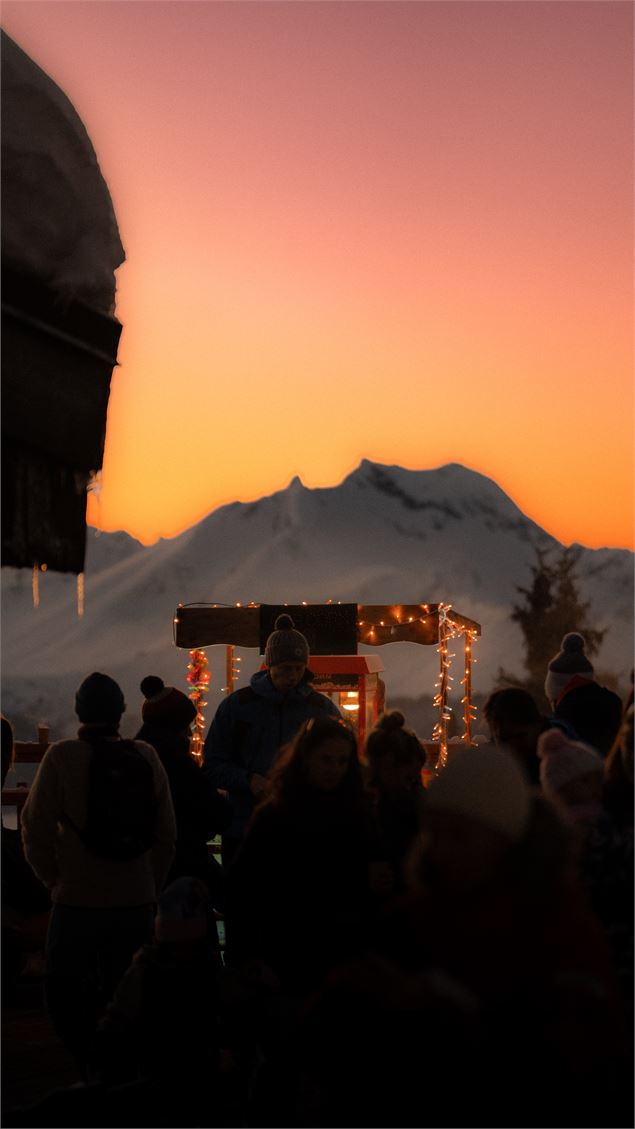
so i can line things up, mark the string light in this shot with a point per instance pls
(199, 677)
(469, 711)
(232, 672)
(385, 630)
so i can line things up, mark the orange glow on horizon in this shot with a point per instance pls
(394, 231)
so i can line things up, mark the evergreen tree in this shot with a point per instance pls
(551, 607)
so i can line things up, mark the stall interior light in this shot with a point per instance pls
(352, 702)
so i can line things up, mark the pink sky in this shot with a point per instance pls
(400, 231)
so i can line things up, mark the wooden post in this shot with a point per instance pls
(229, 668)
(467, 686)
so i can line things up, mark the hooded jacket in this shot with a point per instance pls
(249, 728)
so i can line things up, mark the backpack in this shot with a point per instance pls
(121, 806)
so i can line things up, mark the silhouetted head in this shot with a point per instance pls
(515, 721)
(394, 753)
(476, 812)
(165, 707)
(99, 700)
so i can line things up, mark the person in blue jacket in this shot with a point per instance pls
(252, 724)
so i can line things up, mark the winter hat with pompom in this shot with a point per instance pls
(486, 784)
(563, 760)
(564, 666)
(285, 644)
(165, 706)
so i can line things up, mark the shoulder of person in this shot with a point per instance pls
(65, 751)
(150, 754)
(322, 703)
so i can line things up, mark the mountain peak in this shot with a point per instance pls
(296, 484)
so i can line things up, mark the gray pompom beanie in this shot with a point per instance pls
(564, 666)
(285, 644)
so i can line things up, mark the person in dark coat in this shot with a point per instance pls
(201, 811)
(515, 723)
(495, 904)
(252, 724)
(161, 1032)
(102, 906)
(573, 780)
(395, 759)
(594, 711)
(298, 890)
(26, 903)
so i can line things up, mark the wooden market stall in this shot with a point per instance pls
(334, 632)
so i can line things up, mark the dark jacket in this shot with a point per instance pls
(594, 712)
(248, 729)
(297, 891)
(201, 812)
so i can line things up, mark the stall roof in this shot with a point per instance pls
(329, 628)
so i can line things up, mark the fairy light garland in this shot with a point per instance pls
(449, 627)
(469, 711)
(232, 670)
(447, 631)
(199, 677)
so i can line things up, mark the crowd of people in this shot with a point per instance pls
(456, 955)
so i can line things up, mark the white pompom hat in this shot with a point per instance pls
(563, 760)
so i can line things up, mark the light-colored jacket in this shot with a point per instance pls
(56, 852)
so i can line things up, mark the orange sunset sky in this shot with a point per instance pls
(398, 231)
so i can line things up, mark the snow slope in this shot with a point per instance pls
(385, 534)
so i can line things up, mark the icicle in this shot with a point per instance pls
(35, 585)
(80, 595)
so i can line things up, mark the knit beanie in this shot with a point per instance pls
(285, 644)
(487, 784)
(564, 666)
(99, 699)
(165, 706)
(183, 911)
(563, 760)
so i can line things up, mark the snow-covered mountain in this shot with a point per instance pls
(383, 535)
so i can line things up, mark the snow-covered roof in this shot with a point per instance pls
(58, 220)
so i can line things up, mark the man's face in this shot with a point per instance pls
(286, 676)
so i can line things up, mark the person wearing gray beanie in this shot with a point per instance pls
(285, 644)
(252, 724)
